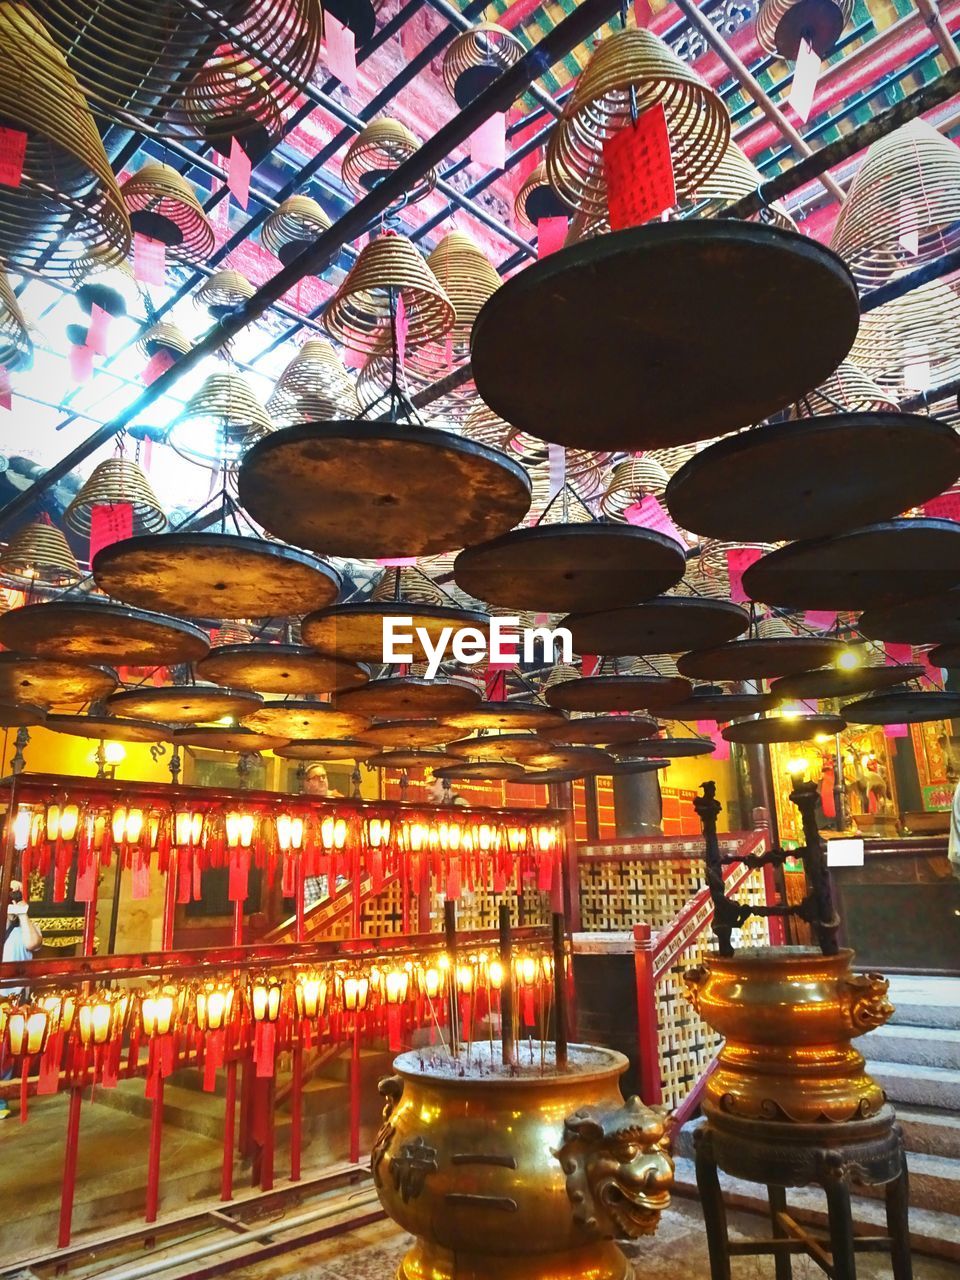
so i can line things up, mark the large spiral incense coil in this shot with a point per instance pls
(117, 480)
(164, 206)
(735, 176)
(911, 340)
(847, 390)
(476, 58)
(135, 60)
(672, 459)
(39, 553)
(407, 584)
(714, 563)
(903, 208)
(314, 387)
(376, 151)
(220, 421)
(387, 268)
(292, 227)
(16, 346)
(536, 199)
(697, 582)
(559, 673)
(67, 179)
(774, 627)
(468, 278)
(654, 664)
(585, 226)
(600, 106)
(230, 100)
(630, 482)
(781, 24)
(99, 280)
(164, 336)
(223, 291)
(486, 427)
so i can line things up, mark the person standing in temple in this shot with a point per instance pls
(316, 783)
(439, 792)
(20, 940)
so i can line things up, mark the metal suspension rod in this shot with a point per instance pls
(570, 32)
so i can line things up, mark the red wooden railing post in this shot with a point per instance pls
(153, 1158)
(355, 1093)
(69, 1168)
(648, 1042)
(229, 1128)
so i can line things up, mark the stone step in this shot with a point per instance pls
(374, 1063)
(931, 1231)
(919, 1046)
(188, 1109)
(924, 1086)
(934, 1183)
(921, 1001)
(930, 1131)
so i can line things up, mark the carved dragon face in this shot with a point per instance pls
(618, 1171)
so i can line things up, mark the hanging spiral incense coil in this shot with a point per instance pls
(672, 459)
(292, 227)
(16, 347)
(735, 176)
(66, 178)
(905, 196)
(230, 100)
(847, 390)
(476, 58)
(486, 427)
(697, 582)
(774, 627)
(654, 664)
(585, 226)
(376, 151)
(781, 24)
(536, 199)
(112, 481)
(101, 281)
(630, 482)
(560, 672)
(223, 291)
(314, 387)
(39, 553)
(714, 563)
(600, 106)
(164, 206)
(220, 421)
(164, 336)
(388, 267)
(917, 334)
(468, 278)
(406, 584)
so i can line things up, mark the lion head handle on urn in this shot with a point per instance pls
(617, 1169)
(869, 1004)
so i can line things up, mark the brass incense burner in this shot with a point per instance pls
(502, 1174)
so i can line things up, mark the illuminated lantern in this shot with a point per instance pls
(432, 982)
(378, 832)
(158, 1010)
(289, 832)
(333, 832)
(62, 822)
(126, 825)
(214, 1006)
(240, 828)
(486, 837)
(60, 1007)
(28, 1026)
(100, 1017)
(266, 995)
(354, 992)
(465, 975)
(188, 827)
(395, 984)
(310, 990)
(22, 828)
(495, 975)
(516, 839)
(528, 973)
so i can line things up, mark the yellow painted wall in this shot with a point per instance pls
(687, 773)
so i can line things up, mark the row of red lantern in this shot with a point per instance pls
(83, 1038)
(309, 841)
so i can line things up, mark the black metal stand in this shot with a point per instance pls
(834, 1156)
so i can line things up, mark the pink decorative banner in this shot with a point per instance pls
(551, 233)
(739, 559)
(488, 143)
(238, 173)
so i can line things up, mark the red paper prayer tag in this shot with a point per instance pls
(895, 731)
(946, 507)
(81, 364)
(589, 664)
(13, 152)
(638, 170)
(557, 469)
(341, 51)
(551, 233)
(149, 259)
(739, 559)
(109, 523)
(238, 173)
(401, 562)
(806, 72)
(402, 324)
(488, 143)
(6, 391)
(157, 364)
(898, 653)
(820, 619)
(495, 685)
(98, 330)
(652, 514)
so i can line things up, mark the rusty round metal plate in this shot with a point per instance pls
(616, 693)
(45, 682)
(227, 738)
(648, 328)
(109, 727)
(303, 718)
(280, 668)
(512, 714)
(214, 575)
(15, 715)
(864, 569)
(372, 489)
(832, 683)
(665, 625)
(481, 771)
(814, 477)
(903, 707)
(410, 758)
(945, 655)
(87, 631)
(782, 729)
(928, 620)
(183, 703)
(603, 731)
(356, 631)
(669, 748)
(410, 697)
(709, 702)
(580, 760)
(498, 746)
(326, 749)
(546, 777)
(760, 659)
(626, 768)
(574, 568)
(410, 733)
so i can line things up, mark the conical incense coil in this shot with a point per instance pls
(387, 268)
(911, 343)
(773, 627)
(234, 100)
(314, 387)
(39, 553)
(67, 179)
(903, 208)
(736, 176)
(630, 482)
(408, 585)
(773, 37)
(486, 427)
(600, 106)
(672, 459)
(220, 421)
(715, 564)
(292, 227)
(16, 347)
(847, 390)
(117, 480)
(468, 278)
(164, 206)
(476, 58)
(697, 582)
(536, 199)
(102, 281)
(376, 151)
(657, 664)
(223, 291)
(164, 336)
